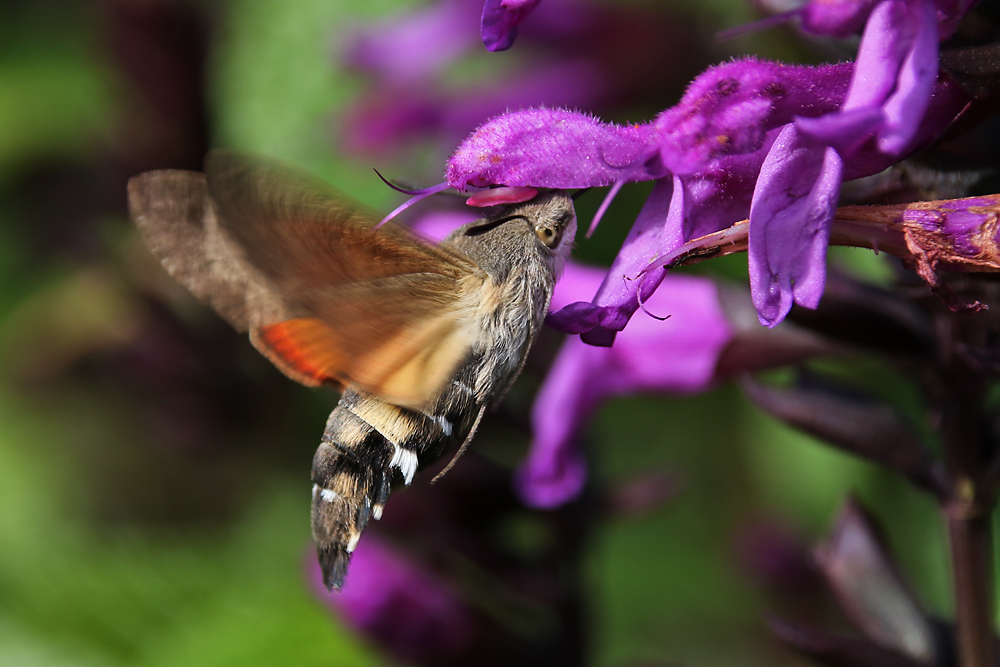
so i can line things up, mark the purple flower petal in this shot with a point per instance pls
(617, 297)
(790, 216)
(551, 148)
(555, 470)
(905, 108)
(500, 20)
(884, 45)
(845, 131)
(675, 356)
(575, 318)
(437, 225)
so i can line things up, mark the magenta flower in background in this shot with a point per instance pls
(709, 335)
(406, 609)
(414, 46)
(678, 356)
(412, 98)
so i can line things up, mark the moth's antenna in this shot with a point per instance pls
(398, 188)
(576, 195)
(465, 445)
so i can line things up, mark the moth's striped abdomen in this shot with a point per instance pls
(368, 445)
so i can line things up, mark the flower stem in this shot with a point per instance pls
(968, 511)
(971, 554)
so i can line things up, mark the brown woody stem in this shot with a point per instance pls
(968, 511)
(971, 554)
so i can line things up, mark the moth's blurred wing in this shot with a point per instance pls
(378, 309)
(304, 235)
(178, 222)
(406, 362)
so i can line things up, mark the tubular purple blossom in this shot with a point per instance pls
(551, 148)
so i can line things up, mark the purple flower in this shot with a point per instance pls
(551, 148)
(500, 21)
(415, 46)
(688, 344)
(409, 611)
(749, 138)
(797, 191)
(394, 114)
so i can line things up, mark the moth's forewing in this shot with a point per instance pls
(305, 235)
(179, 224)
(325, 295)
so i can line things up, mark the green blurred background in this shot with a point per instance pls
(154, 470)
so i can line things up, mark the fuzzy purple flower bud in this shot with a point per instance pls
(550, 148)
(407, 610)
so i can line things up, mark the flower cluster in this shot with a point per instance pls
(750, 139)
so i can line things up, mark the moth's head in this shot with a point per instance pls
(542, 228)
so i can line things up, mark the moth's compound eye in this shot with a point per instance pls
(548, 236)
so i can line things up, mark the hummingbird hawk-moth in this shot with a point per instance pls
(420, 338)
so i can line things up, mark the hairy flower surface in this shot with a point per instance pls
(551, 148)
